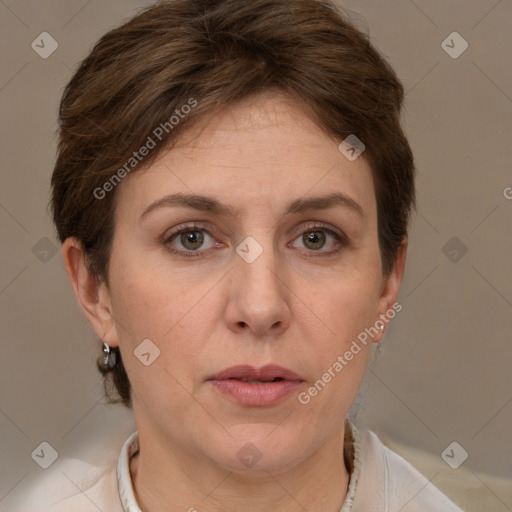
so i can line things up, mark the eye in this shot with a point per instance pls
(318, 239)
(191, 239)
(195, 240)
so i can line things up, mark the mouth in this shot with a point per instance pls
(253, 381)
(249, 386)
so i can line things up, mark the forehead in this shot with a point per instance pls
(262, 151)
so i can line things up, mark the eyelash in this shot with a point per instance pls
(340, 240)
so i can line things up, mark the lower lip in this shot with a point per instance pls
(260, 395)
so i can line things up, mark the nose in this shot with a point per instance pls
(259, 296)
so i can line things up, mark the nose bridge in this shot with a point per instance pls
(260, 299)
(257, 268)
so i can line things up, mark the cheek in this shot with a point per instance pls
(142, 307)
(338, 360)
(348, 302)
(340, 352)
(178, 319)
(151, 303)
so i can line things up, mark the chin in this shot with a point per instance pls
(259, 449)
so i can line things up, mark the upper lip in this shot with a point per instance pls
(268, 372)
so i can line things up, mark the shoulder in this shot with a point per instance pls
(389, 480)
(72, 484)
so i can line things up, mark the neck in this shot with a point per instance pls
(175, 480)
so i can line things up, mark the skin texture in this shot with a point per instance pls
(294, 306)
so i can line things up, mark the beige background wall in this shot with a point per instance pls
(444, 371)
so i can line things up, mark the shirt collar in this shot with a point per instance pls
(124, 479)
(352, 446)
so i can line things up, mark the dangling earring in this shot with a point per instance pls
(379, 345)
(109, 357)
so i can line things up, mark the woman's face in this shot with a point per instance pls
(277, 264)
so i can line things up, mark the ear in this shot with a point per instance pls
(390, 288)
(91, 292)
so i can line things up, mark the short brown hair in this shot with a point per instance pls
(216, 52)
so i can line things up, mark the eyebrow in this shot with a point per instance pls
(208, 204)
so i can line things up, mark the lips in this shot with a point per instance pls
(247, 385)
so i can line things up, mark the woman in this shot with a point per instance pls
(232, 192)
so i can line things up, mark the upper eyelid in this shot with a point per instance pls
(168, 234)
(310, 225)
